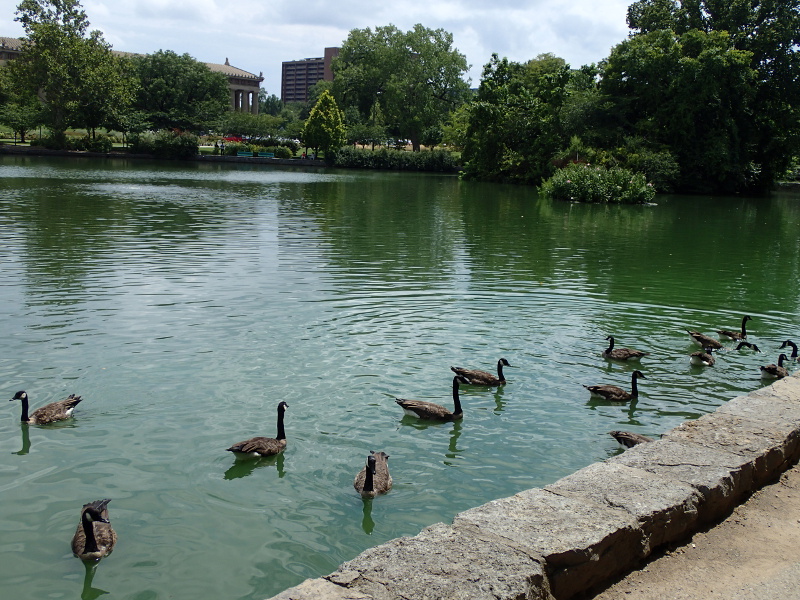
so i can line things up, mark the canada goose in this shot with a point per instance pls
(477, 377)
(94, 538)
(429, 410)
(374, 478)
(263, 446)
(628, 438)
(753, 347)
(621, 353)
(702, 358)
(775, 371)
(704, 340)
(49, 413)
(614, 393)
(736, 335)
(793, 355)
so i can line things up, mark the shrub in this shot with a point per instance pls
(166, 144)
(361, 158)
(100, 143)
(587, 183)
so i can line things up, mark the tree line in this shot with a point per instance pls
(700, 97)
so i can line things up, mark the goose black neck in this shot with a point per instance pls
(500, 370)
(24, 418)
(456, 400)
(281, 432)
(88, 531)
(794, 348)
(744, 327)
(610, 343)
(634, 387)
(369, 484)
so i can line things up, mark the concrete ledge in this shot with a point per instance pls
(557, 542)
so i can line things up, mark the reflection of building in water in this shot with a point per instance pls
(298, 76)
(243, 86)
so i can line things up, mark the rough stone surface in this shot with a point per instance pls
(666, 509)
(443, 564)
(722, 478)
(581, 541)
(765, 444)
(320, 589)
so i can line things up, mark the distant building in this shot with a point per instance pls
(244, 86)
(297, 76)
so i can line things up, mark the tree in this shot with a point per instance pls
(515, 125)
(64, 67)
(769, 30)
(269, 104)
(176, 91)
(416, 77)
(324, 129)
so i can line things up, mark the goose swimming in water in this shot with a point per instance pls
(775, 371)
(621, 353)
(702, 358)
(263, 446)
(477, 377)
(736, 335)
(49, 413)
(614, 393)
(374, 478)
(436, 412)
(94, 538)
(704, 340)
(752, 347)
(629, 439)
(793, 355)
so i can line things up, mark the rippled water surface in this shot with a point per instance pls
(184, 301)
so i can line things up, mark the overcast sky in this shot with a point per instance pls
(257, 35)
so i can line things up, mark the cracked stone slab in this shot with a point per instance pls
(722, 478)
(666, 509)
(443, 564)
(320, 589)
(769, 445)
(582, 542)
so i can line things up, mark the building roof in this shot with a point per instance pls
(10, 43)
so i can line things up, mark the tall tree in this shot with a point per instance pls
(176, 91)
(415, 77)
(770, 31)
(324, 129)
(62, 65)
(515, 126)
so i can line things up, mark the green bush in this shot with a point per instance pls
(166, 144)
(587, 183)
(100, 143)
(361, 158)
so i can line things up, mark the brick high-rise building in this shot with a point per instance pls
(297, 76)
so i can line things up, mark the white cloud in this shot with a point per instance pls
(257, 35)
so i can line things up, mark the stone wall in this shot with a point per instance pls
(589, 527)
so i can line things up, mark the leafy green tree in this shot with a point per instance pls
(65, 68)
(269, 104)
(415, 77)
(692, 94)
(21, 117)
(514, 122)
(324, 130)
(769, 30)
(178, 92)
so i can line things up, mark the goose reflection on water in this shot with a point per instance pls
(26, 440)
(242, 468)
(89, 592)
(367, 523)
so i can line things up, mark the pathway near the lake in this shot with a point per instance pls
(753, 555)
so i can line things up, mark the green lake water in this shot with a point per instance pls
(183, 301)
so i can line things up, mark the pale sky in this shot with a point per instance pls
(257, 35)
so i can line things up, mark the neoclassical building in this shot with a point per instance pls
(243, 86)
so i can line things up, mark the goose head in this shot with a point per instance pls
(23, 395)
